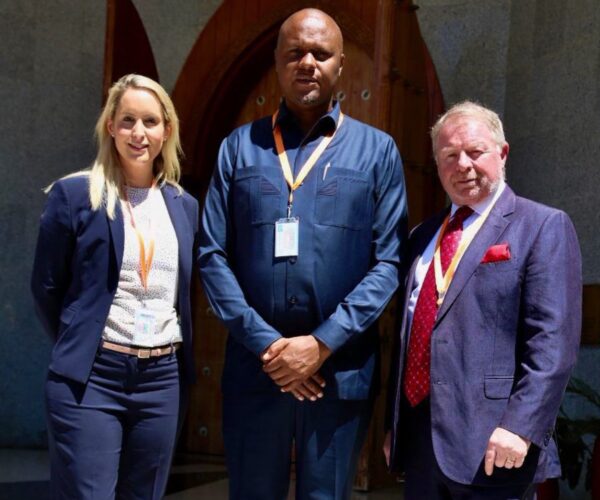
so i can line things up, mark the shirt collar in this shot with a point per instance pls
(325, 124)
(481, 206)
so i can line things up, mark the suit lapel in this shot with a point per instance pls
(487, 235)
(176, 210)
(117, 234)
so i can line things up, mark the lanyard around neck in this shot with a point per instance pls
(308, 165)
(442, 281)
(145, 260)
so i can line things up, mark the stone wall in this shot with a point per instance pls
(468, 42)
(50, 89)
(553, 112)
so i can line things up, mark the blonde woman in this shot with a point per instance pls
(111, 284)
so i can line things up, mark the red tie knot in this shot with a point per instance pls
(460, 215)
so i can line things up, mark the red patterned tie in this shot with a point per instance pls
(418, 361)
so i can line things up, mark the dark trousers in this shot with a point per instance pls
(114, 436)
(424, 478)
(260, 430)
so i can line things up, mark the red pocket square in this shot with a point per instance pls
(496, 253)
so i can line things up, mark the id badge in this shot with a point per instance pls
(145, 322)
(286, 237)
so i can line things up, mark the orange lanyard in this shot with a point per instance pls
(145, 261)
(310, 163)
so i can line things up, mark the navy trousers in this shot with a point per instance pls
(260, 430)
(424, 478)
(114, 436)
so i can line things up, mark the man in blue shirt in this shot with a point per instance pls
(301, 235)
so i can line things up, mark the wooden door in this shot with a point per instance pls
(229, 79)
(127, 47)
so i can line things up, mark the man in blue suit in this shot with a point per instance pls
(299, 253)
(490, 328)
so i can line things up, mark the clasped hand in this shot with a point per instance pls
(293, 364)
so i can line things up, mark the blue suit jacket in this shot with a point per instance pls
(505, 340)
(76, 272)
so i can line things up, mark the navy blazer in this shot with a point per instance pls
(76, 272)
(503, 345)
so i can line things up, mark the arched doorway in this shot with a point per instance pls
(229, 79)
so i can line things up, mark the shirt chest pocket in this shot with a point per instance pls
(257, 195)
(343, 198)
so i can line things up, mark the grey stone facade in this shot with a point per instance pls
(51, 63)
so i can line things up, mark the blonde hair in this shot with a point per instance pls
(105, 175)
(470, 109)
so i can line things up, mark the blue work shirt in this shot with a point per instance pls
(352, 222)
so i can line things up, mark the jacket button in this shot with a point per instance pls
(293, 260)
(293, 300)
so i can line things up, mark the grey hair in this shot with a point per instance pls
(470, 109)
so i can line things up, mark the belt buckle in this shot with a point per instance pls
(144, 353)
